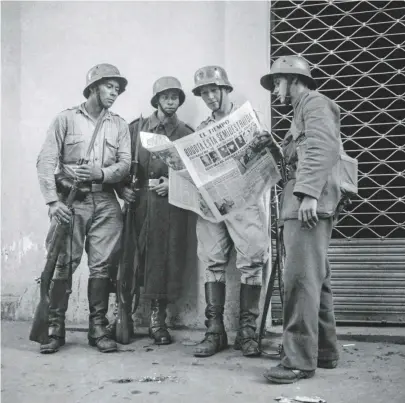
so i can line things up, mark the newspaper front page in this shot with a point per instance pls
(216, 171)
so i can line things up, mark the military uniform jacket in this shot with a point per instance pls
(161, 227)
(311, 150)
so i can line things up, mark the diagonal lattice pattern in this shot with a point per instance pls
(357, 53)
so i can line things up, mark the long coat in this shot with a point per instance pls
(311, 149)
(161, 227)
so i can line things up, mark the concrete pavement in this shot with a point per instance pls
(143, 372)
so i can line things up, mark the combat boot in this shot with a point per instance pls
(246, 339)
(98, 292)
(58, 305)
(157, 327)
(215, 338)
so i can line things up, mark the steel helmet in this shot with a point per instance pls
(288, 65)
(166, 83)
(210, 75)
(103, 71)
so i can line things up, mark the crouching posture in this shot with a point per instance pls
(96, 222)
(309, 201)
(161, 227)
(247, 231)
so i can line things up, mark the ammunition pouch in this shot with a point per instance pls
(64, 185)
(348, 175)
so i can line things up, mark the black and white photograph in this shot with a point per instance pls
(240, 141)
(214, 156)
(206, 160)
(116, 287)
(232, 147)
(224, 151)
(171, 158)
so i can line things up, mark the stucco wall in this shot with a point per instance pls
(47, 48)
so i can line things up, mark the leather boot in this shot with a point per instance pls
(57, 309)
(246, 339)
(215, 338)
(157, 327)
(98, 293)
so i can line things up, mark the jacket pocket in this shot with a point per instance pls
(110, 152)
(290, 203)
(73, 148)
(331, 193)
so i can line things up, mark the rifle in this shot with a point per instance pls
(128, 269)
(39, 329)
(277, 266)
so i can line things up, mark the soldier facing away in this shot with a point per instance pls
(247, 231)
(97, 220)
(310, 198)
(161, 227)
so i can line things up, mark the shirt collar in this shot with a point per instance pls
(233, 107)
(170, 123)
(82, 109)
(298, 99)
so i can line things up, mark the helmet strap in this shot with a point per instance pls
(98, 97)
(168, 115)
(221, 99)
(288, 90)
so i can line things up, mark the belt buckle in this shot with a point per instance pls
(96, 187)
(153, 182)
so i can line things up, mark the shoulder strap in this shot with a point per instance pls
(137, 140)
(95, 132)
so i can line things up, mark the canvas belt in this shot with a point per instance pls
(151, 183)
(101, 187)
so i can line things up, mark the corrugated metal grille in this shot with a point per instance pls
(357, 53)
(368, 283)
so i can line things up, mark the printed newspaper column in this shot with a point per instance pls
(218, 170)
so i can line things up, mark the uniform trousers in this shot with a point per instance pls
(308, 316)
(248, 232)
(96, 226)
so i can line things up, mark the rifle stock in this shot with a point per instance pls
(124, 279)
(276, 269)
(39, 328)
(127, 283)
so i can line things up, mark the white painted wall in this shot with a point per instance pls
(47, 48)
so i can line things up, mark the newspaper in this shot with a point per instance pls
(219, 169)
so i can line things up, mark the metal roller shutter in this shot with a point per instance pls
(357, 53)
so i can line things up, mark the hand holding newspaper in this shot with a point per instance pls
(220, 169)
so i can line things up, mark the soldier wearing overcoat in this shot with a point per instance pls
(160, 226)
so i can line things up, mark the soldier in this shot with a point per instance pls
(161, 227)
(247, 231)
(310, 197)
(97, 220)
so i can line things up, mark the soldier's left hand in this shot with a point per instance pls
(163, 188)
(263, 139)
(307, 212)
(86, 173)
